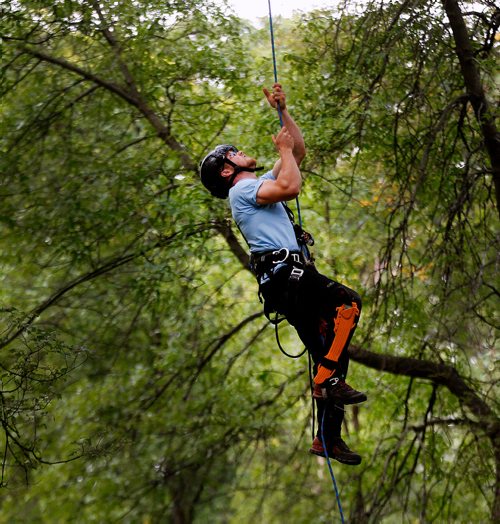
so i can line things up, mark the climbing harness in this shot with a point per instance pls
(264, 266)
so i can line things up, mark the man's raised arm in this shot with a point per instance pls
(299, 147)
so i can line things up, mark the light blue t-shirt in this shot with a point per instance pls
(265, 227)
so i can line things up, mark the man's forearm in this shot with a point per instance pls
(299, 146)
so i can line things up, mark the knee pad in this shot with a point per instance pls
(344, 323)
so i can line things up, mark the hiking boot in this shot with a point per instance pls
(336, 449)
(337, 389)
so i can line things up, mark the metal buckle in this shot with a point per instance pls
(284, 258)
(296, 273)
(295, 257)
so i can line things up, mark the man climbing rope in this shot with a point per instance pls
(323, 312)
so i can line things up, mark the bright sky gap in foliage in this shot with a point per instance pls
(253, 11)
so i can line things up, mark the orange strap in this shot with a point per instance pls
(344, 322)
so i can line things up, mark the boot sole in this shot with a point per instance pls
(358, 400)
(347, 462)
(350, 401)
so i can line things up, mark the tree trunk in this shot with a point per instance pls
(475, 90)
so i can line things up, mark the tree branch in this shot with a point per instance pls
(440, 374)
(475, 89)
(219, 343)
(224, 228)
(60, 62)
(110, 265)
(133, 98)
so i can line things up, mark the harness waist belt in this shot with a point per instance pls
(263, 261)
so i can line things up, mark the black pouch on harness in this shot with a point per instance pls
(279, 292)
(268, 295)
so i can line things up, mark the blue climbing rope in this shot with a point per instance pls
(331, 469)
(274, 59)
(278, 108)
(300, 224)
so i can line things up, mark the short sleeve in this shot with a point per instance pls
(244, 194)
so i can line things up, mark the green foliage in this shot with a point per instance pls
(139, 380)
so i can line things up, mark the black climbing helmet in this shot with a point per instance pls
(213, 164)
(210, 171)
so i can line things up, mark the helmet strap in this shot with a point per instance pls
(239, 169)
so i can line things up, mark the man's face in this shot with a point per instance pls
(240, 159)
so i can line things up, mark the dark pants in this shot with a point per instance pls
(310, 306)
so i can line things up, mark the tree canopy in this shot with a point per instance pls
(140, 381)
